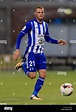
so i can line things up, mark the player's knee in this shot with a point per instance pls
(32, 75)
(43, 73)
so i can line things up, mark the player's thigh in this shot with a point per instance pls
(31, 68)
(41, 62)
(41, 65)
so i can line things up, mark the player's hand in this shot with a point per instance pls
(16, 54)
(62, 42)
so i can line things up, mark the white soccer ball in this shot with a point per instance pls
(66, 89)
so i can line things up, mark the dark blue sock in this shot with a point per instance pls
(24, 68)
(38, 85)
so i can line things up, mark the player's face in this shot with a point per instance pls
(39, 14)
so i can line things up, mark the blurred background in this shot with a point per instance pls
(61, 18)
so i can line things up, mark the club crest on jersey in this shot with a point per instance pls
(41, 39)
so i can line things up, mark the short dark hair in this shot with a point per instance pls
(40, 7)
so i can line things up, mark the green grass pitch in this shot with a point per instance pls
(16, 88)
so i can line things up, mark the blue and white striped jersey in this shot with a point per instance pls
(37, 34)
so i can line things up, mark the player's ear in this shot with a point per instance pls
(35, 13)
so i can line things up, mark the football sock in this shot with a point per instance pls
(38, 85)
(24, 68)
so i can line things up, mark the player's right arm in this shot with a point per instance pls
(16, 54)
(24, 30)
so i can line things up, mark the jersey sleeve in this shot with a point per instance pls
(49, 38)
(24, 30)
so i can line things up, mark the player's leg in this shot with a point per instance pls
(22, 65)
(39, 84)
(19, 65)
(31, 68)
(41, 65)
(28, 65)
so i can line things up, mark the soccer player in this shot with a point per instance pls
(34, 59)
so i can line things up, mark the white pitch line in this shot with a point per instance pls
(72, 103)
(3, 103)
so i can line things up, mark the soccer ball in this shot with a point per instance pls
(66, 89)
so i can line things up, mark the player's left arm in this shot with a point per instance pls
(52, 40)
(62, 42)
